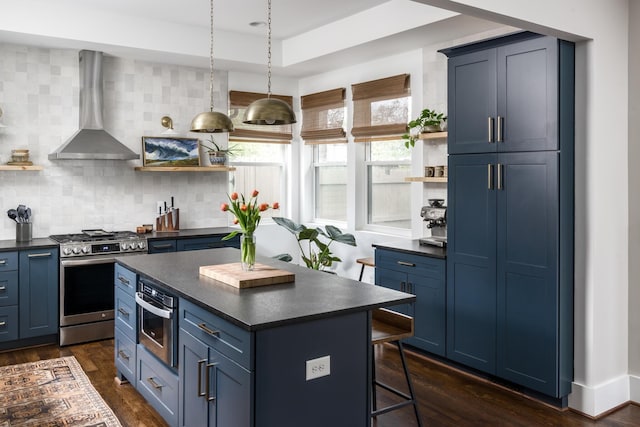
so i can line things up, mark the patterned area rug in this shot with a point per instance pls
(52, 393)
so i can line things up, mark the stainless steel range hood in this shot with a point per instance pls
(92, 142)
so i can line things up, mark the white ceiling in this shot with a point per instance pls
(309, 36)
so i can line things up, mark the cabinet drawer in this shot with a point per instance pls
(8, 261)
(126, 313)
(158, 384)
(125, 355)
(159, 246)
(9, 288)
(410, 263)
(200, 243)
(125, 280)
(227, 338)
(9, 323)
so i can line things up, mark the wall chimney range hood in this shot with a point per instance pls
(91, 141)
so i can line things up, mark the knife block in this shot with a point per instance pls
(169, 221)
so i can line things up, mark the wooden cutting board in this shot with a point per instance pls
(232, 274)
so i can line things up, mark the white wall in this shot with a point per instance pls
(602, 257)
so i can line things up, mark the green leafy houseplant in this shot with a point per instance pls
(427, 121)
(317, 255)
(217, 154)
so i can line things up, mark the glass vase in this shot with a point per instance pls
(248, 251)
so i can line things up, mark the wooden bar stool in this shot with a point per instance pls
(366, 262)
(391, 326)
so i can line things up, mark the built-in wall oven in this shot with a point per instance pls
(158, 322)
(87, 264)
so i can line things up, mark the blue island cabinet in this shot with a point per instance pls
(424, 277)
(126, 325)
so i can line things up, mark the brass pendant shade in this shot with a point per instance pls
(269, 111)
(211, 121)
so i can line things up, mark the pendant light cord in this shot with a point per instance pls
(269, 49)
(211, 61)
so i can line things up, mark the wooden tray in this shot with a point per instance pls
(232, 274)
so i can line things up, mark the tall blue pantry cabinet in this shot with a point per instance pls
(510, 210)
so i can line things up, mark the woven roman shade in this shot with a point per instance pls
(238, 103)
(323, 117)
(378, 124)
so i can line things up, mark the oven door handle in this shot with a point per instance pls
(166, 314)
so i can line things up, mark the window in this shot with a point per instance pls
(260, 152)
(323, 116)
(380, 116)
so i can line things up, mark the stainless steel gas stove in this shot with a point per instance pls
(87, 263)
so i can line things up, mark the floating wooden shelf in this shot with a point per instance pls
(185, 169)
(433, 135)
(20, 168)
(424, 179)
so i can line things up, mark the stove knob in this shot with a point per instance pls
(76, 250)
(66, 251)
(141, 245)
(86, 249)
(125, 247)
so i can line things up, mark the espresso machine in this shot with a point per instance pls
(435, 215)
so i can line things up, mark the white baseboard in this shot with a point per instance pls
(634, 388)
(593, 401)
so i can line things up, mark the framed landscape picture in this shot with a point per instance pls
(166, 151)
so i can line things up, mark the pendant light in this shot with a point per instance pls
(269, 111)
(211, 121)
(1, 125)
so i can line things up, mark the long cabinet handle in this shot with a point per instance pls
(123, 355)
(211, 332)
(499, 176)
(3, 323)
(200, 363)
(163, 246)
(3, 261)
(124, 280)
(489, 176)
(499, 129)
(154, 384)
(210, 396)
(490, 129)
(40, 255)
(123, 312)
(406, 264)
(3, 288)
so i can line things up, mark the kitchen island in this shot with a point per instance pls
(289, 354)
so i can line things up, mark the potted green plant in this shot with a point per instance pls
(217, 154)
(317, 254)
(427, 121)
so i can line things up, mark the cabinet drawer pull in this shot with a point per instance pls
(154, 384)
(499, 129)
(499, 173)
(124, 280)
(123, 312)
(123, 355)
(211, 332)
(3, 261)
(40, 255)
(210, 396)
(3, 288)
(163, 246)
(200, 363)
(3, 323)
(490, 129)
(489, 176)
(406, 264)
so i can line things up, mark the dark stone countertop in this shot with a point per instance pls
(313, 295)
(12, 245)
(189, 233)
(413, 247)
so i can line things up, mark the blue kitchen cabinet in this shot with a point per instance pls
(424, 277)
(158, 384)
(161, 246)
(126, 325)
(215, 357)
(504, 98)
(8, 296)
(192, 244)
(38, 305)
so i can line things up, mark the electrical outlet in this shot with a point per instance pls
(319, 367)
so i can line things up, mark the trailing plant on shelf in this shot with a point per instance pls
(317, 254)
(427, 121)
(217, 154)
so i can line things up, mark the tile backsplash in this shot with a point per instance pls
(39, 93)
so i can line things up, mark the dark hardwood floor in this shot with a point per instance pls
(447, 397)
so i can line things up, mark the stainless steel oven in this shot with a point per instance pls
(158, 322)
(87, 264)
